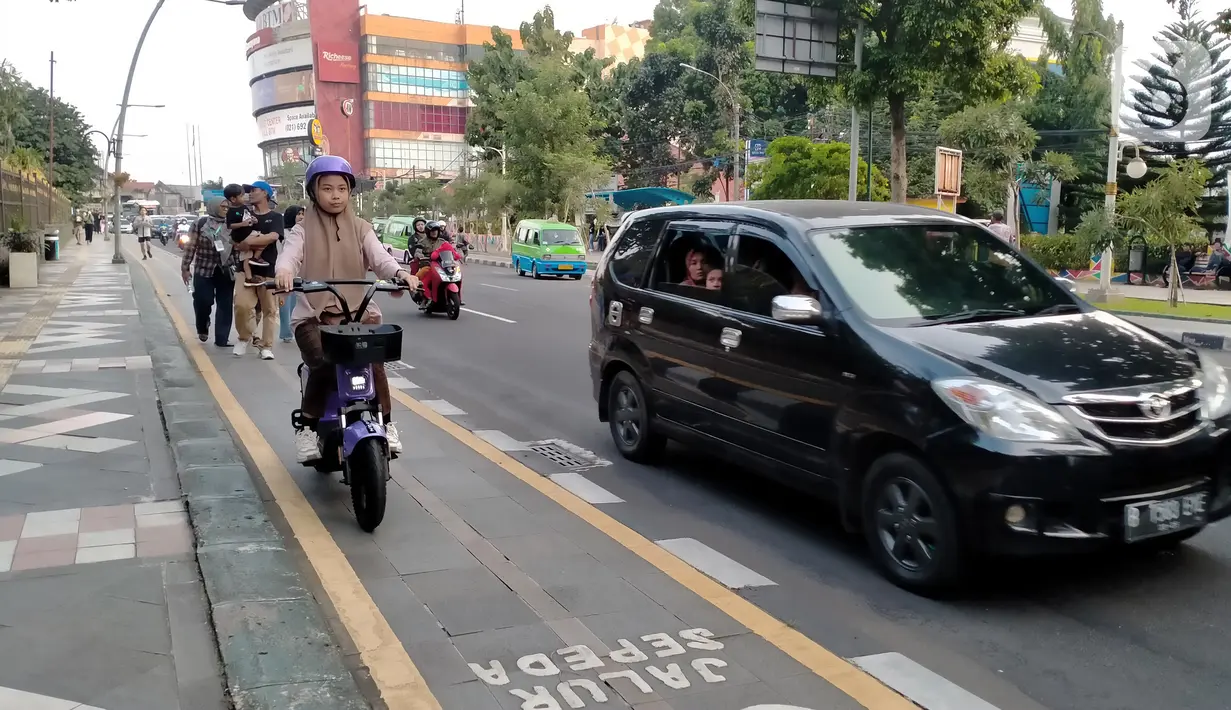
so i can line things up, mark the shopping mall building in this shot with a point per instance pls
(390, 92)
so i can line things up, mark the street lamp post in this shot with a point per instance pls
(504, 215)
(117, 257)
(739, 147)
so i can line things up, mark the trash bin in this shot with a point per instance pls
(51, 245)
(1137, 258)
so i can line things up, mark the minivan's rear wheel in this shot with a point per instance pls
(628, 414)
(911, 524)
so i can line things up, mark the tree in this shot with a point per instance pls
(1073, 104)
(798, 169)
(212, 184)
(24, 116)
(289, 176)
(918, 44)
(1171, 98)
(1164, 210)
(12, 115)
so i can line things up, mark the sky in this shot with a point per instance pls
(193, 62)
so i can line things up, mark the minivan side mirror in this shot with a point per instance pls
(1066, 284)
(797, 309)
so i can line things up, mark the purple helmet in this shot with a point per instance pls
(327, 165)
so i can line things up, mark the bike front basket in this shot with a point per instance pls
(361, 344)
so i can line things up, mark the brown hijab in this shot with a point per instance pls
(333, 249)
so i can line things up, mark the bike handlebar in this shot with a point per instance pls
(349, 316)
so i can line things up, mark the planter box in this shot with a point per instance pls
(23, 270)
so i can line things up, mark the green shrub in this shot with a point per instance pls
(1070, 251)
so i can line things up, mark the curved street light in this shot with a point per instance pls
(739, 148)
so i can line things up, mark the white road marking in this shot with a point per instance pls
(488, 315)
(444, 408)
(13, 698)
(502, 288)
(920, 685)
(9, 466)
(715, 564)
(402, 383)
(584, 488)
(501, 441)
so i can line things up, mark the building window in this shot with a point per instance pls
(405, 155)
(416, 81)
(276, 154)
(388, 115)
(419, 49)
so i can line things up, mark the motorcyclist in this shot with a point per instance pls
(427, 275)
(432, 238)
(419, 227)
(333, 244)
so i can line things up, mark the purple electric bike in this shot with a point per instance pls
(351, 434)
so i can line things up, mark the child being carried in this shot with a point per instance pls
(240, 221)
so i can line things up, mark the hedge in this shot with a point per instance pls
(1065, 251)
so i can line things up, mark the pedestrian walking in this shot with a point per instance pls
(1002, 230)
(293, 217)
(143, 227)
(206, 267)
(256, 304)
(78, 228)
(90, 226)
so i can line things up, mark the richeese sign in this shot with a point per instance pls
(337, 63)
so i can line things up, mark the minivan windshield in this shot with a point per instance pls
(923, 274)
(560, 237)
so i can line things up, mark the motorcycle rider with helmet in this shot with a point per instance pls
(419, 227)
(430, 249)
(334, 243)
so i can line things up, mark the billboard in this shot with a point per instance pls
(281, 13)
(290, 88)
(335, 24)
(337, 62)
(284, 123)
(296, 53)
(260, 40)
(796, 39)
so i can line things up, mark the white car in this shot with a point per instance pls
(126, 226)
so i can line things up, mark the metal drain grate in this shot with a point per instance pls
(397, 365)
(560, 457)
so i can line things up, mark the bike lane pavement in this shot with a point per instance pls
(101, 600)
(490, 586)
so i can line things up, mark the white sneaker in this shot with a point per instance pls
(267, 354)
(306, 446)
(391, 436)
(241, 348)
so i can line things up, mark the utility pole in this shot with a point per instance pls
(51, 127)
(200, 164)
(118, 256)
(852, 192)
(870, 106)
(1113, 158)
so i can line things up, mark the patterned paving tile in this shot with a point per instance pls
(54, 538)
(36, 366)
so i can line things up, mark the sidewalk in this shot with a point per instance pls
(494, 582)
(101, 601)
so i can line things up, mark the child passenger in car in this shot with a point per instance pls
(713, 280)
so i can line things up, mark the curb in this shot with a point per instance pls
(1164, 316)
(277, 650)
(508, 264)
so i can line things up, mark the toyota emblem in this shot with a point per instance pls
(1155, 406)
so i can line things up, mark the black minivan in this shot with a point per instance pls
(940, 386)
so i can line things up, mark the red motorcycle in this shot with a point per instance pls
(441, 287)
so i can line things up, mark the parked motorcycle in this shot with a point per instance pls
(351, 434)
(446, 296)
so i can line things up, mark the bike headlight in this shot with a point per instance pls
(1215, 394)
(1003, 412)
(358, 382)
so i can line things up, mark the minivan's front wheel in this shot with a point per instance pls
(628, 414)
(911, 524)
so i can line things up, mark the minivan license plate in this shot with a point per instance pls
(1159, 517)
(566, 267)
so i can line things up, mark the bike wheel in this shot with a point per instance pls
(453, 305)
(368, 473)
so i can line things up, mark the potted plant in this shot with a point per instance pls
(23, 248)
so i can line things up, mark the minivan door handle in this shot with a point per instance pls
(730, 338)
(615, 313)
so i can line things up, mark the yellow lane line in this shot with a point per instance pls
(837, 671)
(400, 684)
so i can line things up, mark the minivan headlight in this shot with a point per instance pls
(1215, 389)
(1003, 412)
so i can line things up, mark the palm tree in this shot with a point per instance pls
(28, 162)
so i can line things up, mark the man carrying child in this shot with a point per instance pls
(264, 227)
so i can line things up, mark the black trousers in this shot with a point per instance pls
(208, 290)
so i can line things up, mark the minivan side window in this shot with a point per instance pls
(691, 259)
(534, 238)
(631, 255)
(761, 271)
